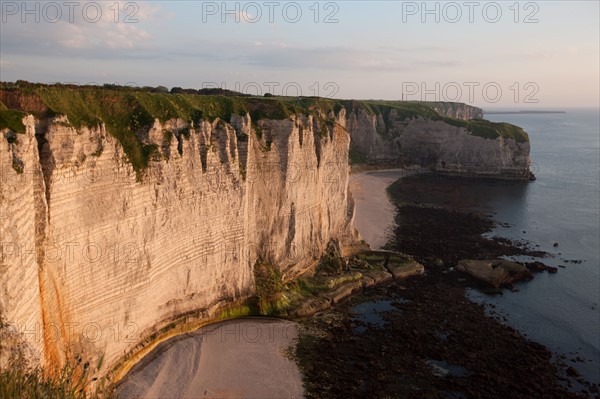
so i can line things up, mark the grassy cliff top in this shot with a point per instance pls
(12, 119)
(125, 110)
(133, 108)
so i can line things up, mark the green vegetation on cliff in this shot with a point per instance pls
(493, 130)
(125, 111)
(12, 119)
(71, 381)
(412, 110)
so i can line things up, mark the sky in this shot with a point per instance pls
(504, 54)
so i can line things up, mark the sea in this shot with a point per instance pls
(558, 213)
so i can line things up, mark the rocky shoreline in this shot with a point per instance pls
(422, 337)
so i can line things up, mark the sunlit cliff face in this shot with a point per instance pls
(98, 255)
(95, 260)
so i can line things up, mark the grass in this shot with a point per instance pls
(125, 111)
(72, 381)
(238, 311)
(19, 383)
(69, 382)
(492, 130)
(19, 380)
(12, 119)
(411, 110)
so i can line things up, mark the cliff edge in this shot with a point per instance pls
(421, 134)
(123, 212)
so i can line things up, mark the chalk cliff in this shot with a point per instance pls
(97, 261)
(23, 214)
(114, 224)
(456, 110)
(445, 145)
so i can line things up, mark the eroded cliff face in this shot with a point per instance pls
(456, 110)
(101, 251)
(22, 222)
(95, 259)
(438, 145)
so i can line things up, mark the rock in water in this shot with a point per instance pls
(571, 372)
(497, 273)
(536, 266)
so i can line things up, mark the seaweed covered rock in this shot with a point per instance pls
(497, 272)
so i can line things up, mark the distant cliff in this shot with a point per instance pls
(122, 212)
(386, 135)
(456, 110)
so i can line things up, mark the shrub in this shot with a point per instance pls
(21, 381)
(269, 289)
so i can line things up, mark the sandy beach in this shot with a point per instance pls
(246, 358)
(374, 215)
(242, 358)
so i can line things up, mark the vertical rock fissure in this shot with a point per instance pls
(317, 139)
(45, 160)
(48, 292)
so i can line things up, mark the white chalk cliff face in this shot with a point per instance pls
(437, 145)
(94, 260)
(22, 221)
(456, 110)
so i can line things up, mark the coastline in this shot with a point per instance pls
(424, 337)
(135, 376)
(450, 344)
(374, 212)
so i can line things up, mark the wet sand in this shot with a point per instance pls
(242, 358)
(374, 214)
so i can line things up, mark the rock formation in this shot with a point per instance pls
(456, 110)
(94, 261)
(442, 144)
(497, 273)
(121, 213)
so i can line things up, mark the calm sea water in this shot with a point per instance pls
(561, 311)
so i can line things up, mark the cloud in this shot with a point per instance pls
(284, 56)
(126, 36)
(87, 38)
(91, 25)
(289, 56)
